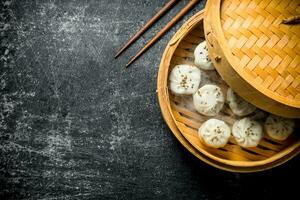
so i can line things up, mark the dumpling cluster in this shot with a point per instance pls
(184, 79)
(202, 59)
(216, 133)
(209, 100)
(246, 131)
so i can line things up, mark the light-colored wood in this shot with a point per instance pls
(259, 56)
(164, 30)
(184, 121)
(156, 17)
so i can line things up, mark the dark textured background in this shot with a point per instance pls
(76, 125)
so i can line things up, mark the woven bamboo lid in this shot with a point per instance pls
(263, 51)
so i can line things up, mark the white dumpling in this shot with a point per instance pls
(247, 132)
(215, 133)
(208, 100)
(202, 59)
(184, 79)
(279, 128)
(238, 105)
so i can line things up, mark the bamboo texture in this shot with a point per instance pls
(260, 55)
(184, 121)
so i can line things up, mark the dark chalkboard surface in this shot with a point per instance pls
(75, 124)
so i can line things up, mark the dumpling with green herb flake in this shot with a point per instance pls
(184, 79)
(238, 105)
(279, 128)
(247, 132)
(215, 133)
(202, 59)
(208, 100)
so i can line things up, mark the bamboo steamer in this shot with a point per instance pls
(255, 52)
(184, 122)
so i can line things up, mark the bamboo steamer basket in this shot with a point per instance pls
(255, 52)
(184, 123)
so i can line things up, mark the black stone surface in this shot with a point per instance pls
(75, 124)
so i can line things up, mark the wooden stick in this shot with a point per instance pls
(147, 26)
(164, 30)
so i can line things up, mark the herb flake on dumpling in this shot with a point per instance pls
(238, 105)
(184, 79)
(247, 132)
(215, 133)
(202, 59)
(209, 100)
(279, 128)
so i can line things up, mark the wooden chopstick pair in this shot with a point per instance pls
(160, 33)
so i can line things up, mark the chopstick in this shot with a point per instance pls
(147, 26)
(164, 30)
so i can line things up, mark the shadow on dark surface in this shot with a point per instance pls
(276, 183)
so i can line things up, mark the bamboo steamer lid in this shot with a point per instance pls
(256, 52)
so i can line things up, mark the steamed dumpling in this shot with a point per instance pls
(184, 79)
(279, 128)
(238, 105)
(215, 133)
(208, 100)
(247, 132)
(202, 59)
